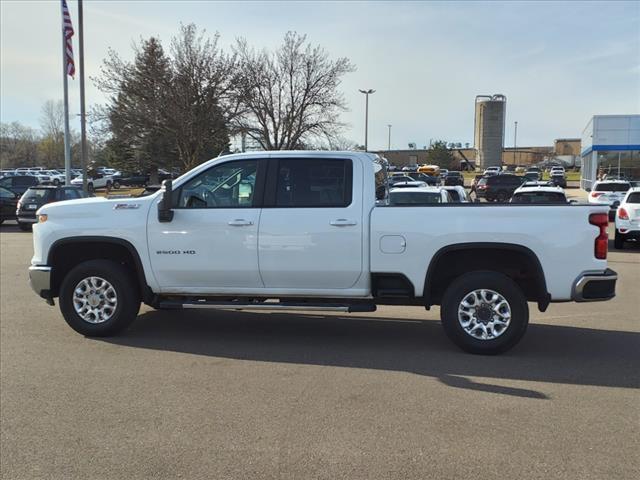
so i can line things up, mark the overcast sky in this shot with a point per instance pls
(557, 63)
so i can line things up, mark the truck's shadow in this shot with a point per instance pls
(555, 354)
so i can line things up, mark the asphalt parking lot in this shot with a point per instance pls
(200, 394)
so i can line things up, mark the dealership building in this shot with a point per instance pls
(610, 146)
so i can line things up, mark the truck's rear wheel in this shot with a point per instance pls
(484, 312)
(98, 298)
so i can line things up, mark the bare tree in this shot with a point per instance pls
(291, 96)
(52, 126)
(203, 97)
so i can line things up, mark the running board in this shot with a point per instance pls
(282, 306)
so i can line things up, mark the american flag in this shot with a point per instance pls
(67, 31)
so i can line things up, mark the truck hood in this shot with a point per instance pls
(94, 206)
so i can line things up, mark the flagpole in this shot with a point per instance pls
(83, 117)
(67, 146)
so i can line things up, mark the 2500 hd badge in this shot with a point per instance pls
(175, 252)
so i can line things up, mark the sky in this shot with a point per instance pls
(558, 63)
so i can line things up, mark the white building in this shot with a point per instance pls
(610, 145)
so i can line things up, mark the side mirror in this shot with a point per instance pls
(573, 200)
(165, 212)
(616, 204)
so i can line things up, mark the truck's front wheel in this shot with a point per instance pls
(484, 312)
(98, 298)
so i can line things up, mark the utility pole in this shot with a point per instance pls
(83, 115)
(389, 144)
(366, 118)
(515, 141)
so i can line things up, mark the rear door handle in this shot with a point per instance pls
(240, 222)
(342, 222)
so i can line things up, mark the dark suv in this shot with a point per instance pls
(36, 197)
(454, 178)
(18, 183)
(498, 187)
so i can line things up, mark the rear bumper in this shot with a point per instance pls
(595, 286)
(40, 280)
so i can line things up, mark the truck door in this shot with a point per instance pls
(212, 241)
(311, 224)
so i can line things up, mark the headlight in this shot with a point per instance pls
(42, 218)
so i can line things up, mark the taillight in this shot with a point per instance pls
(600, 220)
(595, 194)
(622, 214)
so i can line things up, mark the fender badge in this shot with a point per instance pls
(126, 206)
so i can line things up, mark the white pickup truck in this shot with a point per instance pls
(313, 231)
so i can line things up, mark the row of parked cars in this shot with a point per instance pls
(97, 178)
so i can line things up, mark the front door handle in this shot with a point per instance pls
(342, 222)
(240, 222)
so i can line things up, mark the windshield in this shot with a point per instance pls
(414, 198)
(612, 187)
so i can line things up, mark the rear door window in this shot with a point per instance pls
(313, 182)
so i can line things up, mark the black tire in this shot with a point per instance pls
(502, 285)
(25, 227)
(90, 188)
(502, 196)
(618, 240)
(56, 182)
(116, 185)
(127, 306)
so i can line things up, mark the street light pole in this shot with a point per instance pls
(366, 117)
(389, 144)
(515, 141)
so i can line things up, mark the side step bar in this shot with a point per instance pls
(282, 306)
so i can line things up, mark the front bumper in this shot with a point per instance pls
(595, 286)
(40, 281)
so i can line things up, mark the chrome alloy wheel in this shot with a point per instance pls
(95, 300)
(484, 314)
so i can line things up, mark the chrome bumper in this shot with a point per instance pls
(595, 286)
(40, 281)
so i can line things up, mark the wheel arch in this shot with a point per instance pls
(66, 253)
(493, 256)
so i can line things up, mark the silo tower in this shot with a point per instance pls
(489, 129)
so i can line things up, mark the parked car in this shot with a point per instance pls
(457, 193)
(492, 171)
(433, 170)
(454, 178)
(532, 176)
(557, 169)
(627, 220)
(418, 196)
(539, 194)
(54, 177)
(8, 204)
(534, 169)
(312, 238)
(96, 181)
(18, 183)
(40, 195)
(558, 178)
(498, 188)
(132, 178)
(609, 192)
